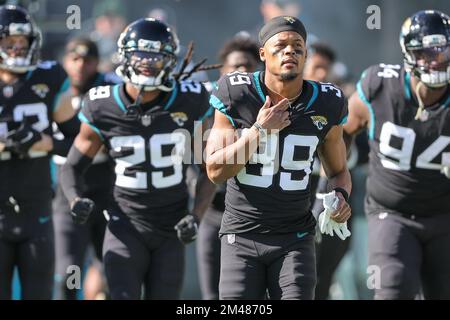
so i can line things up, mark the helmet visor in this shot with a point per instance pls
(433, 58)
(149, 64)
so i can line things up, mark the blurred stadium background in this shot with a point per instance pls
(342, 24)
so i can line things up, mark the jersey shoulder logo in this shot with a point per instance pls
(319, 121)
(41, 90)
(179, 118)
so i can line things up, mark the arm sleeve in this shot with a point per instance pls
(69, 129)
(72, 173)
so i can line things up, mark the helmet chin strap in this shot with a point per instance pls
(419, 99)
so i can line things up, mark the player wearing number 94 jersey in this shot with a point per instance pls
(267, 229)
(407, 112)
(145, 124)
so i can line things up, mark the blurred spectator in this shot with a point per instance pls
(167, 15)
(319, 64)
(109, 22)
(274, 8)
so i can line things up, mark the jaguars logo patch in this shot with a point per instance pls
(41, 89)
(179, 118)
(319, 121)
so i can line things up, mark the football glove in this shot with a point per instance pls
(20, 140)
(81, 209)
(187, 228)
(328, 225)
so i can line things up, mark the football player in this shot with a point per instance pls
(33, 95)
(81, 61)
(267, 232)
(143, 124)
(238, 54)
(406, 110)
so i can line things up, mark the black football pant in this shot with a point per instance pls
(208, 254)
(411, 254)
(141, 264)
(27, 242)
(282, 265)
(72, 240)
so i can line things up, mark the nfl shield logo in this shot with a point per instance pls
(146, 120)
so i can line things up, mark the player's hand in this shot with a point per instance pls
(187, 228)
(80, 209)
(45, 144)
(274, 117)
(21, 140)
(343, 211)
(334, 206)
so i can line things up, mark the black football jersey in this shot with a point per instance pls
(271, 193)
(32, 98)
(149, 151)
(406, 155)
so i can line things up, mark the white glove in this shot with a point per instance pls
(328, 225)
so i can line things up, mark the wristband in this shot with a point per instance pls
(343, 192)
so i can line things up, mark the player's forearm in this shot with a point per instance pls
(227, 162)
(205, 191)
(341, 180)
(72, 173)
(45, 144)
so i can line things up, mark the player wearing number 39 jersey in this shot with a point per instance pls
(267, 228)
(407, 112)
(145, 124)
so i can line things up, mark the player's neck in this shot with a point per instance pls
(428, 95)
(279, 89)
(8, 77)
(147, 96)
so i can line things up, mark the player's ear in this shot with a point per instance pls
(262, 54)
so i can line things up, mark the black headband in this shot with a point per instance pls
(280, 24)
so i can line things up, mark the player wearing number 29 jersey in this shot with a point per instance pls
(146, 124)
(407, 112)
(149, 186)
